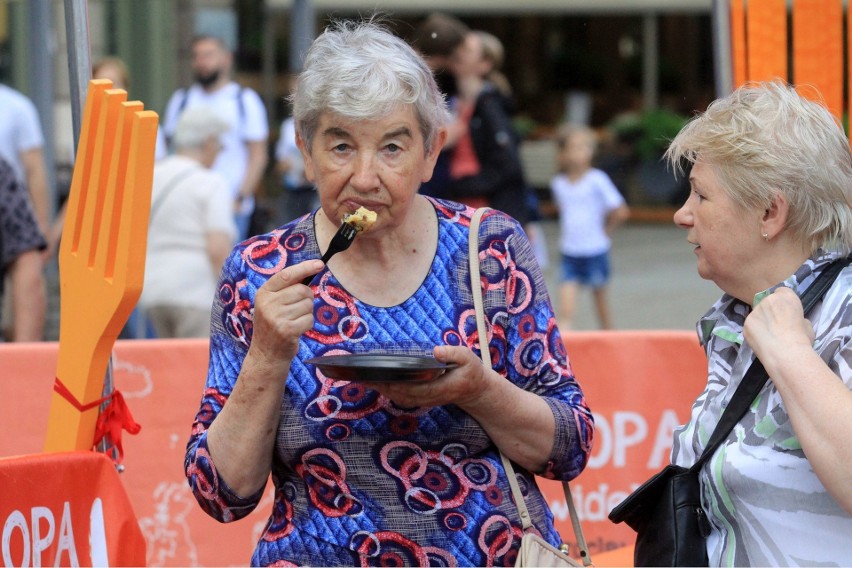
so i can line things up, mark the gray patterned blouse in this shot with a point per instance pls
(765, 503)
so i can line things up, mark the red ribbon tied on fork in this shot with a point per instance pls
(114, 418)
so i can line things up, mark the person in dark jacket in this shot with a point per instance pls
(486, 165)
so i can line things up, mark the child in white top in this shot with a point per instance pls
(590, 208)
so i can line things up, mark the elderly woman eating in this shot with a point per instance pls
(373, 471)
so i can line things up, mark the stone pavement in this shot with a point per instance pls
(654, 283)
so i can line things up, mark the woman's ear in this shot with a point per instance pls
(432, 156)
(775, 216)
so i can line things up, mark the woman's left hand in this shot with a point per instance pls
(777, 323)
(460, 386)
(520, 422)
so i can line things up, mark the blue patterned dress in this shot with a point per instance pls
(359, 480)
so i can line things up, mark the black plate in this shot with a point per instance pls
(380, 368)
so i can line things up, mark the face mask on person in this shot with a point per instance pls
(207, 79)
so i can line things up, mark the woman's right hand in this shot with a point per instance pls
(283, 311)
(242, 437)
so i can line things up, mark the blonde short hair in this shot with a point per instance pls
(766, 139)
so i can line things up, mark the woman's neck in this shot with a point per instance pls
(387, 267)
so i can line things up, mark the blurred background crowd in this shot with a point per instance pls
(515, 74)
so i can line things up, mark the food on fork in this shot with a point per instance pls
(361, 220)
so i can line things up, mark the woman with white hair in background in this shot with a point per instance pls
(191, 229)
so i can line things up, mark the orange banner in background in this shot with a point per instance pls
(162, 382)
(640, 385)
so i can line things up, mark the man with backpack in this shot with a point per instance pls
(244, 155)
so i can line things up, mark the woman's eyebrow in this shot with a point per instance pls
(335, 132)
(401, 131)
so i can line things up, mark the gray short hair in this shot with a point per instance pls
(196, 125)
(361, 71)
(766, 139)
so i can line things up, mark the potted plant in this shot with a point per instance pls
(648, 134)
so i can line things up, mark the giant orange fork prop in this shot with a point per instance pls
(101, 257)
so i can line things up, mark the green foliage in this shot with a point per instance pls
(649, 132)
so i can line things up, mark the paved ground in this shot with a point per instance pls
(654, 283)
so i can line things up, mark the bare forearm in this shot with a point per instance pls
(616, 218)
(520, 423)
(218, 248)
(28, 297)
(33, 161)
(257, 162)
(242, 437)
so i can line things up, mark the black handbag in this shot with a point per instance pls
(665, 511)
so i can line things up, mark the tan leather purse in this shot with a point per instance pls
(535, 551)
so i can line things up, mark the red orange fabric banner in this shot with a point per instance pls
(66, 509)
(640, 385)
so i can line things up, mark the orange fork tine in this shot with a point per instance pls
(83, 166)
(127, 232)
(105, 142)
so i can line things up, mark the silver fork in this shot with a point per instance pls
(339, 243)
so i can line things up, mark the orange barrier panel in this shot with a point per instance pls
(849, 64)
(766, 26)
(66, 509)
(640, 385)
(818, 51)
(162, 382)
(760, 46)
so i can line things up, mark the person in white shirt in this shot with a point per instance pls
(243, 158)
(191, 229)
(22, 149)
(22, 146)
(590, 208)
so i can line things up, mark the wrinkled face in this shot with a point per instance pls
(209, 59)
(378, 164)
(726, 236)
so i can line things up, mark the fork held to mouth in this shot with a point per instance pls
(339, 243)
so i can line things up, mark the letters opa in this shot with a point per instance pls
(27, 540)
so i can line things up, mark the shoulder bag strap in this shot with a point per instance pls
(173, 183)
(482, 333)
(756, 375)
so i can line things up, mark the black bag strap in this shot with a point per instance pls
(756, 375)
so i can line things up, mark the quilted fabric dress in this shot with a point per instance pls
(359, 480)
